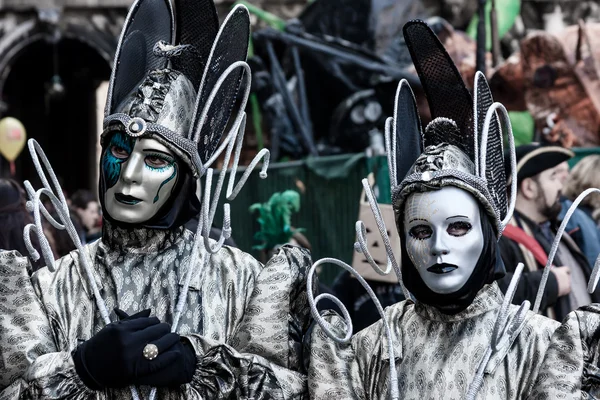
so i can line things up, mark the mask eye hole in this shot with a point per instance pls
(420, 232)
(459, 228)
(119, 152)
(158, 161)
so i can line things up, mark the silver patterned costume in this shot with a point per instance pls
(176, 79)
(466, 344)
(248, 344)
(437, 355)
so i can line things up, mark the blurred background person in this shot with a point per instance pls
(86, 208)
(530, 234)
(584, 175)
(583, 226)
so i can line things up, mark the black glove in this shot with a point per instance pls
(113, 358)
(179, 372)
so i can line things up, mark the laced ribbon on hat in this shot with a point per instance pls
(593, 282)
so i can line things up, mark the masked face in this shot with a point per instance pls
(444, 238)
(140, 176)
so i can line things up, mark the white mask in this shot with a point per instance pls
(443, 227)
(142, 172)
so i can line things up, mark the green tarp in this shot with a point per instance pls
(328, 209)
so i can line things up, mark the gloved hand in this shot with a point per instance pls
(178, 372)
(113, 358)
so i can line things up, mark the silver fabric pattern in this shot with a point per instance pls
(436, 354)
(244, 320)
(571, 368)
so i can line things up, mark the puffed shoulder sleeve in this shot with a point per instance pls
(333, 371)
(263, 356)
(561, 371)
(589, 331)
(277, 314)
(25, 332)
(33, 337)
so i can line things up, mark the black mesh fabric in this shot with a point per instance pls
(446, 92)
(494, 171)
(231, 46)
(197, 24)
(408, 131)
(148, 23)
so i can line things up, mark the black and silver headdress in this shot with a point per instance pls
(173, 76)
(461, 146)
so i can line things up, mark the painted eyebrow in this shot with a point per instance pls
(417, 219)
(158, 151)
(457, 216)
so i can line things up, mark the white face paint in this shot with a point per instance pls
(443, 237)
(145, 172)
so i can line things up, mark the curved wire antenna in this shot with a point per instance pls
(57, 198)
(504, 117)
(504, 333)
(595, 275)
(362, 246)
(390, 149)
(554, 248)
(60, 204)
(346, 339)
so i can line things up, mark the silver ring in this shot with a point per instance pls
(150, 351)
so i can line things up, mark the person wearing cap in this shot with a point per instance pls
(582, 225)
(529, 235)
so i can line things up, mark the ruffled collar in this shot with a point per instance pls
(489, 298)
(138, 240)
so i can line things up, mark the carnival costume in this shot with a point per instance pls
(223, 325)
(467, 342)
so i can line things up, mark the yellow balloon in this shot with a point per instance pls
(12, 138)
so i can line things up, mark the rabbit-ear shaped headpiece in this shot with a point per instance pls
(177, 75)
(461, 146)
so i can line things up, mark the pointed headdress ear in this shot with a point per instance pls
(148, 22)
(404, 142)
(225, 73)
(489, 145)
(447, 95)
(196, 24)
